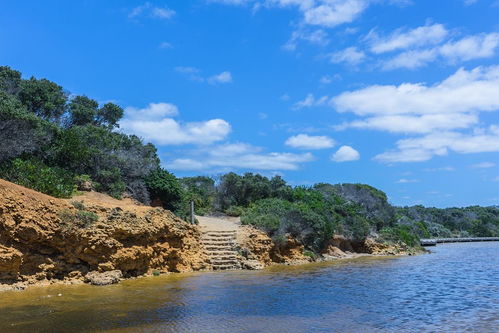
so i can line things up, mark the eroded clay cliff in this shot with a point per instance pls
(47, 239)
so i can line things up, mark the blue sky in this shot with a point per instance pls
(399, 94)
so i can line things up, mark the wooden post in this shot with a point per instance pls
(193, 220)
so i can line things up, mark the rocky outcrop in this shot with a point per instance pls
(259, 250)
(48, 239)
(341, 247)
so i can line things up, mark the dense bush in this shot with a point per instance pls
(78, 219)
(454, 222)
(34, 174)
(165, 188)
(201, 190)
(235, 190)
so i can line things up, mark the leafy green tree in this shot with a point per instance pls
(10, 80)
(44, 98)
(109, 115)
(166, 188)
(83, 111)
(21, 132)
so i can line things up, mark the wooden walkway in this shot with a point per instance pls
(435, 241)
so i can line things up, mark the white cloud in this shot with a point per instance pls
(317, 37)
(410, 59)
(407, 181)
(194, 74)
(152, 111)
(304, 141)
(483, 165)
(438, 111)
(447, 168)
(224, 77)
(469, 2)
(239, 156)
(399, 40)
(311, 101)
(231, 2)
(471, 47)
(334, 12)
(147, 9)
(465, 49)
(351, 56)
(165, 45)
(153, 124)
(463, 92)
(345, 154)
(414, 123)
(439, 144)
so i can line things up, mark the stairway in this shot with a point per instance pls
(220, 246)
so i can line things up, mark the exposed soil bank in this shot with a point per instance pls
(42, 240)
(96, 239)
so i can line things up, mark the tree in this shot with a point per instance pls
(166, 188)
(83, 111)
(9, 80)
(21, 131)
(44, 98)
(109, 115)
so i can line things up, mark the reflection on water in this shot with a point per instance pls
(454, 289)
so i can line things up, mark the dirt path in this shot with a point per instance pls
(219, 223)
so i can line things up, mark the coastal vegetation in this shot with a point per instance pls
(58, 143)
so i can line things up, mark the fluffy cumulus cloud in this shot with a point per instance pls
(446, 114)
(235, 156)
(304, 141)
(417, 47)
(440, 143)
(154, 123)
(463, 92)
(345, 154)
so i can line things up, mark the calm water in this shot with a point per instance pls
(455, 289)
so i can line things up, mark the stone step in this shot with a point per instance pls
(218, 248)
(223, 262)
(223, 252)
(219, 258)
(214, 239)
(225, 267)
(218, 243)
(218, 234)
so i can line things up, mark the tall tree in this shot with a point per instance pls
(44, 98)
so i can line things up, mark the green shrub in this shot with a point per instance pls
(310, 254)
(34, 174)
(78, 205)
(400, 233)
(165, 187)
(80, 219)
(234, 211)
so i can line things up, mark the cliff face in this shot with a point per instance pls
(47, 239)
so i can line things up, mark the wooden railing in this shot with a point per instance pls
(435, 241)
